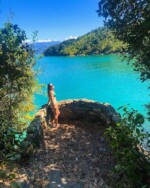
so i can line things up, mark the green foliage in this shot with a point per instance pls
(18, 84)
(130, 22)
(126, 139)
(95, 42)
(5, 175)
(16, 184)
(57, 49)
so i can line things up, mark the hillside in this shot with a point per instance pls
(40, 47)
(98, 41)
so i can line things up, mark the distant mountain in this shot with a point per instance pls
(40, 47)
(98, 41)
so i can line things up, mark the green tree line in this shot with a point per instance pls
(98, 41)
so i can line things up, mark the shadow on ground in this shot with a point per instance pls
(75, 155)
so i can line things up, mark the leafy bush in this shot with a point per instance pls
(126, 139)
(18, 84)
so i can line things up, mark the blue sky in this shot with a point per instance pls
(54, 19)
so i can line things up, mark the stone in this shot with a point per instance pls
(80, 108)
(97, 110)
(72, 109)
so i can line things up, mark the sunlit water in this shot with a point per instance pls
(100, 78)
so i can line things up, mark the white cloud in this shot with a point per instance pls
(45, 40)
(27, 41)
(71, 37)
(42, 40)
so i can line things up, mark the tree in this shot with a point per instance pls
(98, 41)
(18, 84)
(130, 21)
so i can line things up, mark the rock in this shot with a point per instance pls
(88, 110)
(72, 109)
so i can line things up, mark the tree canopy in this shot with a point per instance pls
(17, 81)
(98, 41)
(130, 22)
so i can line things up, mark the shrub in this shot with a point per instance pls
(18, 84)
(126, 139)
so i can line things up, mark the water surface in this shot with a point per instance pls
(100, 78)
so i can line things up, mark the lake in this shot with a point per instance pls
(102, 78)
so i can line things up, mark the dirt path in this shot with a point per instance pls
(73, 156)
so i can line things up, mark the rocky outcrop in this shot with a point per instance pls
(34, 135)
(70, 110)
(87, 110)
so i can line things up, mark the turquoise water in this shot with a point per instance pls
(100, 78)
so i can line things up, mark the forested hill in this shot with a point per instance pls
(98, 41)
